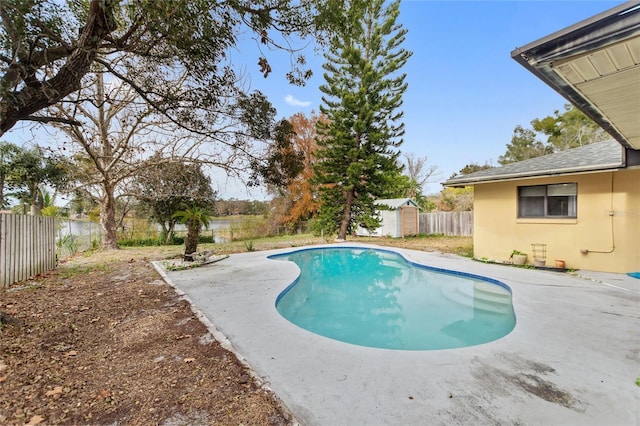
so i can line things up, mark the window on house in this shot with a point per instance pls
(548, 200)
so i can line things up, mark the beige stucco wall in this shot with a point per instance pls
(613, 242)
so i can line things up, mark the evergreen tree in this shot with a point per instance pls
(523, 146)
(472, 168)
(357, 145)
(569, 129)
(566, 130)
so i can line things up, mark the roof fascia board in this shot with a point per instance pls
(583, 36)
(533, 175)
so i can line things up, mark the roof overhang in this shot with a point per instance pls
(461, 183)
(595, 64)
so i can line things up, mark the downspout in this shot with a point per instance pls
(611, 216)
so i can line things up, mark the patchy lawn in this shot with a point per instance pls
(103, 340)
(462, 246)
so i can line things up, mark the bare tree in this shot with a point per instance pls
(420, 171)
(118, 132)
(121, 134)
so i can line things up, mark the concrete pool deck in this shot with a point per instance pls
(573, 357)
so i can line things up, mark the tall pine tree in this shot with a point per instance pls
(357, 144)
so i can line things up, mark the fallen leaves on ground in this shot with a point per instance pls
(35, 420)
(101, 340)
(55, 391)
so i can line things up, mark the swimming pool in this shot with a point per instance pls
(376, 298)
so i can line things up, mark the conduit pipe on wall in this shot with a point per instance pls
(611, 216)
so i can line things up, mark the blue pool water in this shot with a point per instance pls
(377, 298)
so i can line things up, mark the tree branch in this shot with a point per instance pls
(144, 95)
(17, 106)
(52, 120)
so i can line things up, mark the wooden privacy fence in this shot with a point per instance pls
(447, 223)
(27, 247)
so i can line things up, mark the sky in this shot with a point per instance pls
(465, 95)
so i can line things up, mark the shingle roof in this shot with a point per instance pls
(594, 157)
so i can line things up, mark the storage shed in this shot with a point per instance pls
(399, 217)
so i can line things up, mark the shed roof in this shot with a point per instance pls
(588, 158)
(396, 203)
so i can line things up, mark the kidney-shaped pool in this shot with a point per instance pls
(376, 298)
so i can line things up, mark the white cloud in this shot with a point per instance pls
(295, 102)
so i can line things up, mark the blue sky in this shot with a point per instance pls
(466, 94)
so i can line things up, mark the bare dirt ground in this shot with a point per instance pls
(103, 340)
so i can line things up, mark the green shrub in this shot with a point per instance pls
(148, 242)
(140, 242)
(176, 240)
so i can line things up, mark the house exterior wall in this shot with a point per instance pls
(612, 241)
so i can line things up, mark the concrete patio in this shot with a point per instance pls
(572, 359)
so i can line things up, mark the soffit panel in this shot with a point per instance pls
(607, 60)
(609, 79)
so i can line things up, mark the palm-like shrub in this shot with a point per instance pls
(195, 217)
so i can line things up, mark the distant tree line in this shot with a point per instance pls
(233, 207)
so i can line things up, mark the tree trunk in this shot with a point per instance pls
(170, 230)
(33, 202)
(1, 192)
(164, 232)
(108, 219)
(108, 202)
(191, 243)
(346, 216)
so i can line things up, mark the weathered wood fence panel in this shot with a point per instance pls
(447, 223)
(27, 247)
